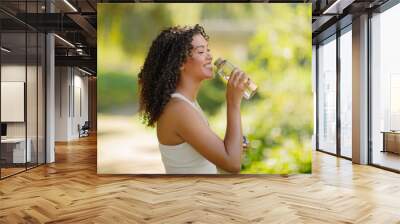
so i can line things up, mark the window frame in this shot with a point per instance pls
(379, 10)
(347, 27)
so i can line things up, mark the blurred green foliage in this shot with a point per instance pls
(270, 42)
(121, 23)
(116, 90)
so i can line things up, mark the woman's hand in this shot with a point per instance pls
(236, 86)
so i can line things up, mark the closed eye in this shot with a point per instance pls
(201, 52)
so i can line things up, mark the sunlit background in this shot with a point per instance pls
(270, 42)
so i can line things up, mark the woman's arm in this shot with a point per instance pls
(226, 154)
(233, 135)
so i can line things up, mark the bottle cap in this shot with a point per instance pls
(218, 62)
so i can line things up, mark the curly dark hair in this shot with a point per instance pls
(160, 73)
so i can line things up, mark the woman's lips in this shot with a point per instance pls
(208, 66)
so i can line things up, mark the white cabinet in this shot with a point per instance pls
(18, 149)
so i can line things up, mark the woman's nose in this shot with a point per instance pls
(210, 56)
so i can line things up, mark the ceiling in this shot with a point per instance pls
(76, 22)
(330, 15)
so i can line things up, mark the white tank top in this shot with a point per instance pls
(183, 158)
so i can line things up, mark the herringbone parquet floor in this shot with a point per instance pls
(70, 191)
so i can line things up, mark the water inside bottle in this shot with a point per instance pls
(225, 69)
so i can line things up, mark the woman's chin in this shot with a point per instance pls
(208, 75)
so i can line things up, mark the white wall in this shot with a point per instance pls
(314, 88)
(14, 73)
(33, 126)
(62, 81)
(71, 94)
(12, 101)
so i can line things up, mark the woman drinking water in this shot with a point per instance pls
(178, 62)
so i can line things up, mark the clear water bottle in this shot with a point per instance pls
(224, 68)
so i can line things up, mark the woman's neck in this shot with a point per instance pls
(188, 88)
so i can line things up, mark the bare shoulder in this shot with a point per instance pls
(175, 113)
(176, 108)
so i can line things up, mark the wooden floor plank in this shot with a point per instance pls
(70, 191)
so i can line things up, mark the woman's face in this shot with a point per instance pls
(199, 63)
